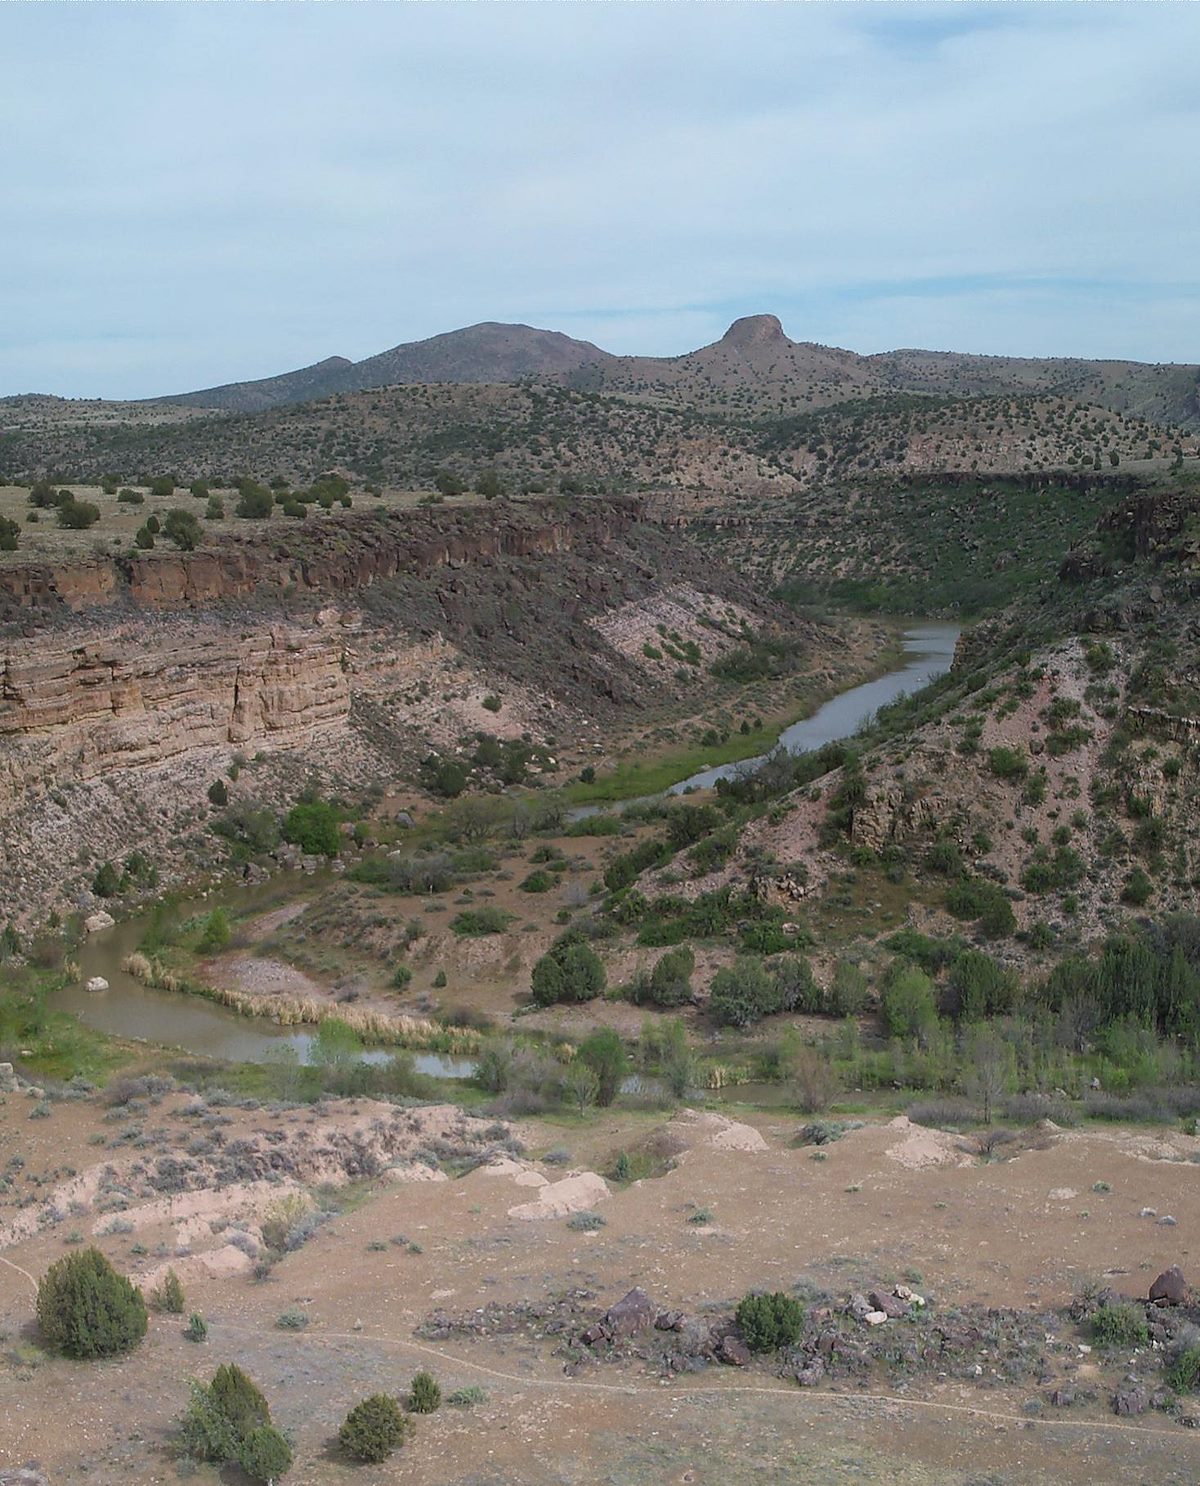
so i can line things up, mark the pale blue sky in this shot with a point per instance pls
(192, 193)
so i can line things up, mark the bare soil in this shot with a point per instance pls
(886, 1201)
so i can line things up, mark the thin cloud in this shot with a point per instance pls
(215, 192)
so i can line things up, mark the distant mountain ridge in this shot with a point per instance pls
(754, 368)
(489, 352)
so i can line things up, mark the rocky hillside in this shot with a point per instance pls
(534, 438)
(342, 651)
(1048, 788)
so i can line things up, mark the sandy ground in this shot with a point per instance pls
(887, 1201)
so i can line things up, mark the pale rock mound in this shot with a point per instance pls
(574, 1194)
(717, 1131)
(919, 1147)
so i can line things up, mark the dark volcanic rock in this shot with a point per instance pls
(733, 1351)
(1130, 1399)
(631, 1314)
(1170, 1288)
(891, 1305)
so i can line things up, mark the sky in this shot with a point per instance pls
(199, 193)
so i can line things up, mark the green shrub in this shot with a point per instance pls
(255, 502)
(204, 1432)
(1138, 888)
(466, 1398)
(742, 994)
(1007, 763)
(197, 1328)
(1183, 1374)
(425, 1395)
(216, 933)
(604, 1053)
(87, 1309)
(240, 1400)
(985, 902)
(475, 922)
(374, 1428)
(265, 1455)
(78, 515)
(313, 827)
(907, 1003)
(168, 1295)
(670, 982)
(537, 882)
(794, 984)
(107, 881)
(848, 990)
(10, 535)
(1120, 1325)
(184, 529)
(570, 970)
(768, 1322)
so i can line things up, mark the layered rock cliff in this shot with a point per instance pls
(342, 650)
(324, 557)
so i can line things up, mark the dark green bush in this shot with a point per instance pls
(425, 1396)
(742, 993)
(313, 827)
(1008, 763)
(265, 1455)
(604, 1053)
(570, 970)
(768, 1322)
(87, 1309)
(374, 1428)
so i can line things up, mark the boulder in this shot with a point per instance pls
(8, 1078)
(811, 1373)
(669, 1321)
(733, 1352)
(96, 983)
(632, 1313)
(1129, 1400)
(875, 1318)
(1170, 1288)
(25, 1475)
(891, 1305)
(97, 921)
(859, 1307)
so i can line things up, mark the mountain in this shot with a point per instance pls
(490, 352)
(310, 382)
(755, 370)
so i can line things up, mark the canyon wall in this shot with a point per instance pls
(322, 555)
(75, 705)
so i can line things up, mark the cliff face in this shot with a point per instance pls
(78, 706)
(323, 557)
(342, 651)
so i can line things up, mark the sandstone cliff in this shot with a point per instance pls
(343, 651)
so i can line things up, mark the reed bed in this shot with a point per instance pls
(394, 1028)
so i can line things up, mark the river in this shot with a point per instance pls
(129, 1009)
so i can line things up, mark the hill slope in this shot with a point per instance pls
(755, 369)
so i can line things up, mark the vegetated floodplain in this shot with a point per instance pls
(665, 767)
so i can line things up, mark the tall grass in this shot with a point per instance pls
(393, 1029)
